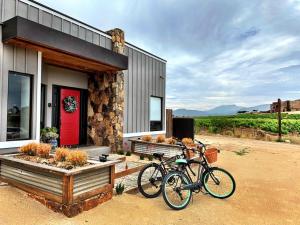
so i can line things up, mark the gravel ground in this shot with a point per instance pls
(268, 192)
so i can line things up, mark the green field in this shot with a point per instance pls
(266, 122)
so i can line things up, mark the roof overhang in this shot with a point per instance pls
(60, 48)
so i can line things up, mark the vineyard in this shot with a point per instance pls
(265, 122)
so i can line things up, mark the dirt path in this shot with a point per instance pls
(268, 192)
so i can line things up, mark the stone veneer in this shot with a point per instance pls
(106, 102)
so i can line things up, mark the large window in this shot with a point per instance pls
(155, 113)
(19, 107)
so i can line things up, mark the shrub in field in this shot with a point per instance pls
(43, 150)
(61, 154)
(160, 138)
(29, 149)
(147, 138)
(77, 158)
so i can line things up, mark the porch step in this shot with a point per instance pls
(95, 151)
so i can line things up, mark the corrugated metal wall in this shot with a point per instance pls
(144, 77)
(49, 183)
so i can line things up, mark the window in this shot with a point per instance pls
(18, 107)
(155, 113)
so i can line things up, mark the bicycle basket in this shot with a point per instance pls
(211, 155)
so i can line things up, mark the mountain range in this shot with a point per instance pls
(219, 110)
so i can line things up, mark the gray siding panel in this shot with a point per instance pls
(75, 29)
(134, 91)
(66, 27)
(89, 36)
(81, 33)
(9, 9)
(96, 38)
(130, 92)
(46, 19)
(57, 23)
(33, 14)
(22, 9)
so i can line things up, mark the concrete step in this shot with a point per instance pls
(95, 151)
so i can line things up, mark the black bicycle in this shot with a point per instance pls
(177, 186)
(151, 176)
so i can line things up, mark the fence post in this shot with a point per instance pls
(169, 123)
(279, 120)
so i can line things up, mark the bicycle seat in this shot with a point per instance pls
(158, 155)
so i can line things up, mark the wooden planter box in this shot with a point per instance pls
(67, 191)
(148, 148)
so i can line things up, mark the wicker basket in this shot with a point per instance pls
(211, 155)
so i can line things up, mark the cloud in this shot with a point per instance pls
(218, 52)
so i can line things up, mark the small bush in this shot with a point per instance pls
(43, 150)
(61, 154)
(160, 138)
(128, 153)
(171, 141)
(150, 157)
(121, 152)
(187, 141)
(77, 158)
(147, 138)
(29, 149)
(142, 157)
(120, 188)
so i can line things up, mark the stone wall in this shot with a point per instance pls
(106, 102)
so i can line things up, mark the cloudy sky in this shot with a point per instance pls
(218, 51)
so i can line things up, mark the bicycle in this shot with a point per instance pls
(151, 176)
(177, 186)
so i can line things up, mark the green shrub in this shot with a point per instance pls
(128, 153)
(120, 188)
(150, 157)
(121, 152)
(142, 157)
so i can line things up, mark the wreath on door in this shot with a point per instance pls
(70, 104)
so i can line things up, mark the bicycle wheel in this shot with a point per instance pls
(174, 196)
(150, 179)
(218, 183)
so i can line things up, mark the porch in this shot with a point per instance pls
(64, 67)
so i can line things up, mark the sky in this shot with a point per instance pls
(219, 52)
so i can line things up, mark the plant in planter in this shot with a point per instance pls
(120, 188)
(77, 158)
(61, 154)
(29, 149)
(171, 141)
(49, 135)
(147, 138)
(189, 143)
(160, 138)
(43, 150)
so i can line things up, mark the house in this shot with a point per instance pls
(286, 106)
(95, 87)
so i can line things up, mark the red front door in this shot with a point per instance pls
(69, 118)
